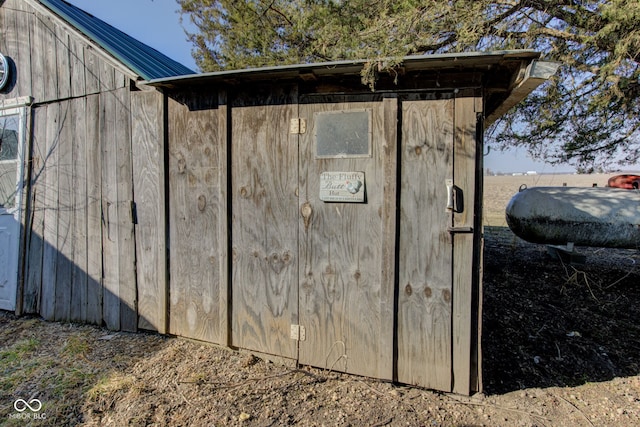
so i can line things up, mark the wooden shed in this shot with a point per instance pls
(289, 211)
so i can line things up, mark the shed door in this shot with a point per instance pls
(345, 305)
(11, 171)
(436, 243)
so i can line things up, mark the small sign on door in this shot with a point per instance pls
(346, 187)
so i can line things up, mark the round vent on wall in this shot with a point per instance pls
(4, 71)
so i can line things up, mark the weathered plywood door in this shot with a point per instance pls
(435, 260)
(11, 177)
(264, 223)
(345, 301)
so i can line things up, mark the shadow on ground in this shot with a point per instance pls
(546, 323)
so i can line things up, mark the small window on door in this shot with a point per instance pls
(9, 158)
(341, 134)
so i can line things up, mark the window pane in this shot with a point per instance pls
(9, 137)
(343, 134)
(8, 171)
(8, 160)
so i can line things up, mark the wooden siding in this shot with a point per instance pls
(464, 315)
(52, 61)
(264, 182)
(78, 174)
(148, 130)
(194, 192)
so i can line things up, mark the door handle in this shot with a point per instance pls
(455, 197)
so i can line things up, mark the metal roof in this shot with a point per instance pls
(143, 60)
(351, 67)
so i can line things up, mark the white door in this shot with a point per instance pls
(11, 183)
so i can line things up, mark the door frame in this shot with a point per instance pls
(19, 107)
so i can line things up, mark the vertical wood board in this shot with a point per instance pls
(147, 132)
(194, 162)
(93, 155)
(264, 179)
(463, 248)
(124, 211)
(50, 180)
(424, 265)
(78, 229)
(65, 210)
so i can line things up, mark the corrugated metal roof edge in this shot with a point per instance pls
(415, 62)
(118, 44)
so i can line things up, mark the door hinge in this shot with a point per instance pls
(297, 126)
(298, 333)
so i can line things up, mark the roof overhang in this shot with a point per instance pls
(506, 77)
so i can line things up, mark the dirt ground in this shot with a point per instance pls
(561, 347)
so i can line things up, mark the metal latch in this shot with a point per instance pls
(455, 197)
(297, 126)
(298, 333)
(457, 230)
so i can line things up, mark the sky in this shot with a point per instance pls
(157, 24)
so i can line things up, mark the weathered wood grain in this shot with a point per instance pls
(464, 326)
(77, 67)
(147, 132)
(224, 304)
(110, 241)
(78, 229)
(94, 210)
(66, 213)
(35, 213)
(341, 252)
(264, 179)
(125, 227)
(50, 207)
(24, 21)
(424, 262)
(63, 63)
(194, 163)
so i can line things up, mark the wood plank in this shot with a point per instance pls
(148, 129)
(223, 119)
(38, 64)
(77, 65)
(92, 65)
(66, 214)
(63, 62)
(35, 213)
(94, 210)
(341, 275)
(264, 177)
(389, 238)
(194, 162)
(424, 264)
(464, 325)
(50, 253)
(49, 51)
(125, 227)
(110, 254)
(24, 19)
(79, 281)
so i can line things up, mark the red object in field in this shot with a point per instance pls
(624, 181)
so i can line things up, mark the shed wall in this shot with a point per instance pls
(79, 246)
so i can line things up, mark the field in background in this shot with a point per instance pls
(498, 190)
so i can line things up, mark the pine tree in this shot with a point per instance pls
(587, 116)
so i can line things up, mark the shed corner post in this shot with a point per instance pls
(224, 213)
(388, 298)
